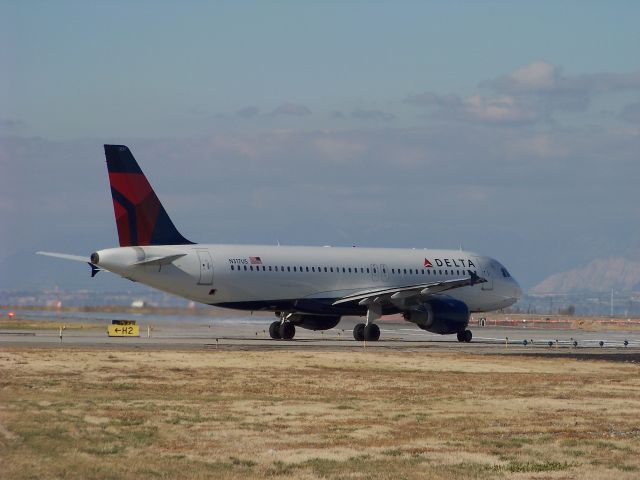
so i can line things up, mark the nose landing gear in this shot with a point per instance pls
(282, 329)
(465, 336)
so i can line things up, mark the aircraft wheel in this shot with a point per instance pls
(274, 330)
(287, 330)
(467, 336)
(358, 332)
(372, 332)
(460, 336)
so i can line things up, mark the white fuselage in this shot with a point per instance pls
(255, 277)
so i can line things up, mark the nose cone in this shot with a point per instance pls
(517, 291)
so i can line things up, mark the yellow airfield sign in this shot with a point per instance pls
(123, 328)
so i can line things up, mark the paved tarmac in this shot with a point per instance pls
(247, 333)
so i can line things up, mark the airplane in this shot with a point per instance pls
(307, 287)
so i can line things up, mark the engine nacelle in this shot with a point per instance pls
(314, 322)
(440, 315)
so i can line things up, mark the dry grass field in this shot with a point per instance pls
(144, 413)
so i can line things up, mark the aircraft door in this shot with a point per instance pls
(206, 267)
(484, 270)
(384, 272)
(375, 273)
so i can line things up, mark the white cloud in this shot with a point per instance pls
(534, 77)
(529, 94)
(502, 110)
(543, 78)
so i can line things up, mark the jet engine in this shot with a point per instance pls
(314, 322)
(440, 315)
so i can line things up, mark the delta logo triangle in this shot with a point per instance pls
(427, 263)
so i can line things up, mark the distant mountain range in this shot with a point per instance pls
(600, 275)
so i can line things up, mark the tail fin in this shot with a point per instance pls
(140, 217)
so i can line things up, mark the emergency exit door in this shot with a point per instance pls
(206, 267)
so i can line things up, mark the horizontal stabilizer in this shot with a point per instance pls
(65, 256)
(76, 258)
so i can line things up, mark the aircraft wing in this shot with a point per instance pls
(409, 293)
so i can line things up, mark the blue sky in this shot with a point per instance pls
(510, 127)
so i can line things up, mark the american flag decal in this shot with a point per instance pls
(255, 261)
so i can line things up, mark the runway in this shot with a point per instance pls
(249, 333)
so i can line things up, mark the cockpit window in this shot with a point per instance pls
(504, 272)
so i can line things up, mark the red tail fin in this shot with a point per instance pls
(140, 217)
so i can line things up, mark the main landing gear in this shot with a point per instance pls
(465, 336)
(369, 331)
(282, 329)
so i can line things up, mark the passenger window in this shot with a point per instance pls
(288, 269)
(245, 268)
(232, 267)
(405, 271)
(375, 270)
(331, 269)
